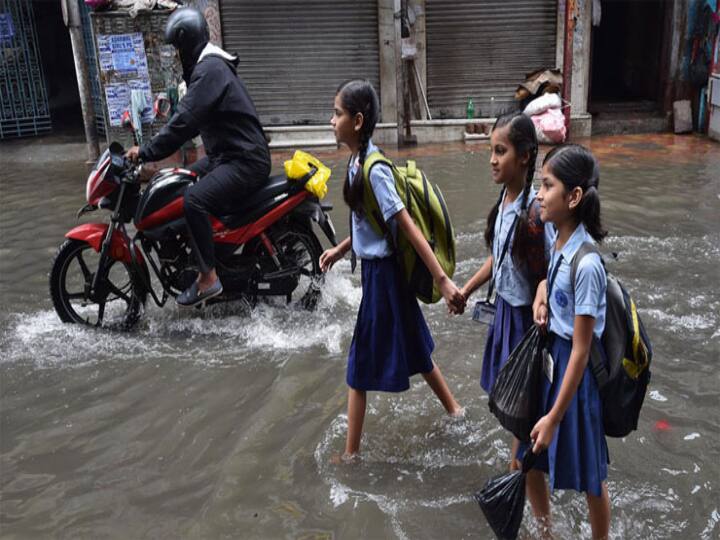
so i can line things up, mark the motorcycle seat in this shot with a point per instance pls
(275, 186)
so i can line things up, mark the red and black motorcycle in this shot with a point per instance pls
(101, 275)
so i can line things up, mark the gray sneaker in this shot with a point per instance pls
(191, 297)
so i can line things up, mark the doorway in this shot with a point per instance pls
(56, 56)
(627, 58)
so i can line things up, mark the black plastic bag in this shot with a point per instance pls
(515, 397)
(502, 499)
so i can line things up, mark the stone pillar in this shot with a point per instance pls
(71, 15)
(581, 121)
(388, 61)
(420, 34)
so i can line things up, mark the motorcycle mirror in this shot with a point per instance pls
(116, 148)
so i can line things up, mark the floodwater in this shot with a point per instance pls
(222, 425)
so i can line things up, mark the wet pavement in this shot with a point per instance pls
(222, 425)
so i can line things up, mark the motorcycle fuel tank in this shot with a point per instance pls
(162, 201)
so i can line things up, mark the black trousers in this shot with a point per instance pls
(220, 190)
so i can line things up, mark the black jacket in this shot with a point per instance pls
(218, 107)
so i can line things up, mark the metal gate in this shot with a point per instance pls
(294, 54)
(483, 49)
(24, 106)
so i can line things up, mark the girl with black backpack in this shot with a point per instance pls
(569, 436)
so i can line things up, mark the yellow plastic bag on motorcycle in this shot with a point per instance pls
(301, 164)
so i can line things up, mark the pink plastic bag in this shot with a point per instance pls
(550, 126)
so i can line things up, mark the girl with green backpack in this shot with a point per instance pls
(391, 341)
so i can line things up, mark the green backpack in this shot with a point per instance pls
(426, 205)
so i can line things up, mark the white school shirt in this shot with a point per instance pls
(511, 284)
(588, 298)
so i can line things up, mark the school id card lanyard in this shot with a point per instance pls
(548, 361)
(484, 311)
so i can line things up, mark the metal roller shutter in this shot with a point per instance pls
(294, 54)
(484, 49)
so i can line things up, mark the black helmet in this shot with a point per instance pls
(187, 30)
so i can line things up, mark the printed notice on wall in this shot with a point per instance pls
(125, 67)
(117, 96)
(123, 54)
(7, 30)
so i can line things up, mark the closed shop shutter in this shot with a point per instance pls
(483, 50)
(294, 54)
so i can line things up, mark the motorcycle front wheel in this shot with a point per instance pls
(117, 301)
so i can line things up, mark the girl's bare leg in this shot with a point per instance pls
(515, 464)
(539, 497)
(599, 510)
(357, 400)
(437, 383)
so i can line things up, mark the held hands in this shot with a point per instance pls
(454, 299)
(543, 433)
(330, 257)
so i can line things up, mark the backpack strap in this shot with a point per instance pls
(370, 204)
(585, 249)
(353, 257)
(596, 359)
(371, 208)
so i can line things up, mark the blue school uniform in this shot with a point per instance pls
(577, 457)
(515, 293)
(391, 341)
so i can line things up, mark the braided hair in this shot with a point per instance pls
(359, 96)
(522, 136)
(575, 166)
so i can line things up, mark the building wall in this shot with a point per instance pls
(390, 60)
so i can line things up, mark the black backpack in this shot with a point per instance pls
(623, 381)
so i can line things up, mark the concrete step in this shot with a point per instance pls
(622, 122)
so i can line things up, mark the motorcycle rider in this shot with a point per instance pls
(218, 107)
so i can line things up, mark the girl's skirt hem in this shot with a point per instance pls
(391, 341)
(398, 385)
(507, 330)
(577, 457)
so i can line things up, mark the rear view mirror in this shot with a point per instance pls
(116, 148)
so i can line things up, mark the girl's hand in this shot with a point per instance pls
(540, 315)
(330, 257)
(540, 310)
(452, 295)
(543, 433)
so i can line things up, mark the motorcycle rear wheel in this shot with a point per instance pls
(297, 246)
(119, 298)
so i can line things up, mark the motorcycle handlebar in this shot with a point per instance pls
(133, 172)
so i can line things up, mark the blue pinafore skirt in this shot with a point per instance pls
(391, 341)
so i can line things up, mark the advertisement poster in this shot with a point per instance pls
(7, 30)
(122, 57)
(117, 96)
(123, 54)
